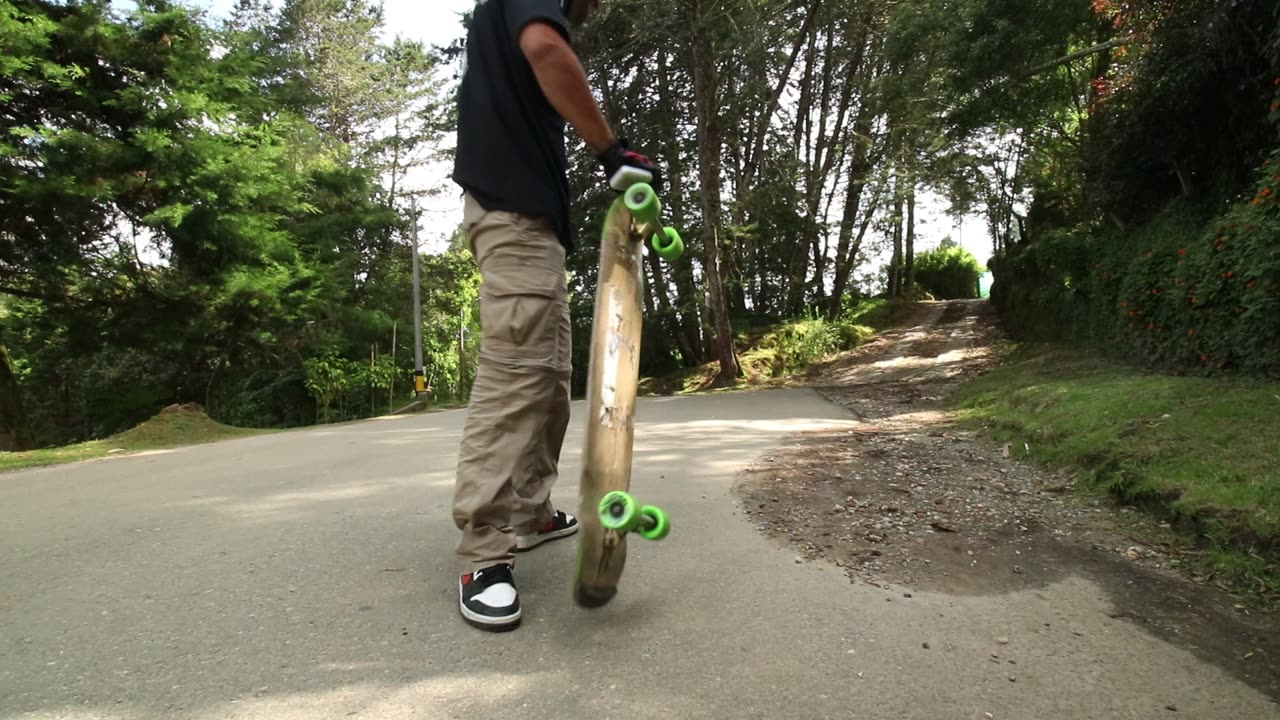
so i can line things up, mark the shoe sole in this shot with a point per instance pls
(489, 623)
(524, 544)
(483, 622)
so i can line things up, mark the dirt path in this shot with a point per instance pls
(907, 499)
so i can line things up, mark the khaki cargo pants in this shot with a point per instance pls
(519, 408)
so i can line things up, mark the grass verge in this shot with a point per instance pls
(175, 426)
(1202, 453)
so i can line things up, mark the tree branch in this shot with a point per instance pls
(757, 146)
(28, 294)
(1101, 47)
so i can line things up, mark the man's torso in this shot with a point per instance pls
(511, 145)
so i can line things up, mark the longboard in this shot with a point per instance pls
(608, 512)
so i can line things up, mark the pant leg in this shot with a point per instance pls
(533, 487)
(502, 479)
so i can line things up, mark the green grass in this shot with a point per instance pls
(773, 352)
(174, 427)
(1203, 450)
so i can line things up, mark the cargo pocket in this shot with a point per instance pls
(520, 309)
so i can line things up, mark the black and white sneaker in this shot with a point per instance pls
(562, 524)
(488, 598)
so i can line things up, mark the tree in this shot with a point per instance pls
(178, 234)
(709, 148)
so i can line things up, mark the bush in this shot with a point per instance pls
(792, 347)
(1184, 291)
(949, 273)
(876, 314)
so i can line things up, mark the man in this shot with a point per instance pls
(521, 82)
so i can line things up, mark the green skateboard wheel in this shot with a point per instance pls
(643, 202)
(668, 244)
(654, 523)
(619, 511)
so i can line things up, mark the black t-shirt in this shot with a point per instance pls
(511, 143)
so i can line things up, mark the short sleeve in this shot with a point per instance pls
(522, 12)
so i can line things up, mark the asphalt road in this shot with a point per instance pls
(309, 575)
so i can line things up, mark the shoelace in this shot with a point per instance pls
(492, 576)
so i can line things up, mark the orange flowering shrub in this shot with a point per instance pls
(1177, 293)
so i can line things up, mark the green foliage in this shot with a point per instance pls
(1005, 115)
(1181, 292)
(326, 378)
(949, 273)
(1182, 110)
(790, 348)
(979, 54)
(1203, 450)
(199, 213)
(1157, 239)
(873, 313)
(329, 378)
(774, 351)
(451, 324)
(795, 346)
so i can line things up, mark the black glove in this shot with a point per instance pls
(624, 168)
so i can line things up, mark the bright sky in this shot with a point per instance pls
(431, 21)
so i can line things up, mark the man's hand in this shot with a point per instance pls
(624, 168)
(564, 82)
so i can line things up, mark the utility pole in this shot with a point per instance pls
(419, 376)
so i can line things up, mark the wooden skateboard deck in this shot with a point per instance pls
(612, 382)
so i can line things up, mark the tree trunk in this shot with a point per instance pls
(738, 299)
(798, 267)
(911, 235)
(689, 308)
(13, 421)
(1184, 178)
(895, 266)
(860, 168)
(821, 245)
(845, 254)
(708, 132)
(665, 321)
(821, 164)
(688, 322)
(817, 182)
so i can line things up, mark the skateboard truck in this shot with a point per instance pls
(645, 207)
(620, 512)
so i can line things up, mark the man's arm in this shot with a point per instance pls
(564, 82)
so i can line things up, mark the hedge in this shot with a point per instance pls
(949, 273)
(1183, 291)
